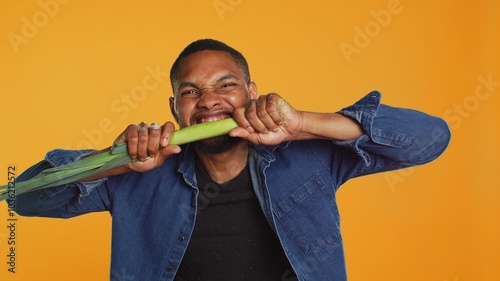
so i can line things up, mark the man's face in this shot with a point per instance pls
(210, 85)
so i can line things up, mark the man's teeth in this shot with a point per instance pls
(213, 118)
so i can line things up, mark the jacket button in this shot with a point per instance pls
(170, 269)
(180, 238)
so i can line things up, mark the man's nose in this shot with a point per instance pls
(209, 99)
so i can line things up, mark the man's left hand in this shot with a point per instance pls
(268, 120)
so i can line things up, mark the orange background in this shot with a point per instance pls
(71, 75)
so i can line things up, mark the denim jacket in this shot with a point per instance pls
(153, 213)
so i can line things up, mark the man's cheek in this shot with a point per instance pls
(237, 100)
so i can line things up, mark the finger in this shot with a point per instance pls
(154, 132)
(274, 108)
(123, 136)
(130, 136)
(252, 115)
(239, 116)
(142, 141)
(265, 110)
(168, 130)
(169, 150)
(239, 132)
(120, 139)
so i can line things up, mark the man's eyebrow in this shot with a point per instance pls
(226, 77)
(220, 79)
(187, 84)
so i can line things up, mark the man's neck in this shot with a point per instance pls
(225, 166)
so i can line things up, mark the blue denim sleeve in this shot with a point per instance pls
(50, 201)
(394, 137)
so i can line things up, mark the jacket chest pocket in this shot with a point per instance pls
(310, 216)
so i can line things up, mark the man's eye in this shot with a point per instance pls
(189, 92)
(228, 85)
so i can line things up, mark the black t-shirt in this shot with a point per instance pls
(232, 239)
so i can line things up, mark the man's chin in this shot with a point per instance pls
(216, 145)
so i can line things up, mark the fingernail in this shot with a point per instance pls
(164, 141)
(154, 126)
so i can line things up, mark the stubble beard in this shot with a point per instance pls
(216, 145)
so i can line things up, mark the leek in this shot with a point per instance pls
(115, 157)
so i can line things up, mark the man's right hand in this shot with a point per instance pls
(149, 144)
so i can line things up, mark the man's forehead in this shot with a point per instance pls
(206, 63)
(206, 56)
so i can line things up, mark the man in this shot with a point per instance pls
(257, 204)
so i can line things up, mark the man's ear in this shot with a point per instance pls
(172, 109)
(252, 90)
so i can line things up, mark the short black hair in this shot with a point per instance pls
(209, 45)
